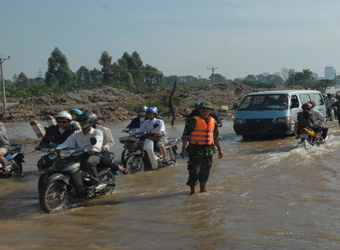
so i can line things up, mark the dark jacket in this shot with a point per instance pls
(195, 112)
(135, 123)
(58, 137)
(305, 122)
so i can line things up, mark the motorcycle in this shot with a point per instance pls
(66, 181)
(47, 160)
(308, 138)
(128, 143)
(143, 154)
(330, 114)
(14, 159)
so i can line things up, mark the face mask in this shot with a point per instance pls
(142, 114)
(85, 126)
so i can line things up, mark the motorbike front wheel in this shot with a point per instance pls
(134, 164)
(54, 196)
(16, 169)
(124, 154)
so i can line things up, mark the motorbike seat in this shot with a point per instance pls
(171, 140)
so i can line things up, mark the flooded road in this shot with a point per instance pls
(264, 194)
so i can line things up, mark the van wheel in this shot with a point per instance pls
(246, 137)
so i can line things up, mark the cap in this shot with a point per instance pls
(206, 105)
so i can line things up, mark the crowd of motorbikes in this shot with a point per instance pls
(62, 179)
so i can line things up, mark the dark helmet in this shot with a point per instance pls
(75, 112)
(329, 94)
(153, 110)
(307, 106)
(142, 108)
(313, 103)
(87, 117)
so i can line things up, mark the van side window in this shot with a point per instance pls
(295, 101)
(304, 98)
(317, 98)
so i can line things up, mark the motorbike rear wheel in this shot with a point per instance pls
(109, 178)
(171, 154)
(134, 164)
(54, 196)
(16, 169)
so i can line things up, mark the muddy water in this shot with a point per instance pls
(265, 194)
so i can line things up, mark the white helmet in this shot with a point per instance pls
(64, 115)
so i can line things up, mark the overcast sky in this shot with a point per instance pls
(178, 37)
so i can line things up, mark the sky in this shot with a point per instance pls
(178, 37)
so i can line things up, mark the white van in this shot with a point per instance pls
(273, 112)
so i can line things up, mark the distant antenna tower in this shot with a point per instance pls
(40, 73)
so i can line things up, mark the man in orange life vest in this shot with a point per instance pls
(202, 133)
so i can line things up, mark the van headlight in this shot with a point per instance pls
(282, 120)
(239, 121)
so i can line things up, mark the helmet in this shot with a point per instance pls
(313, 103)
(75, 112)
(153, 110)
(64, 115)
(142, 108)
(196, 104)
(87, 117)
(329, 94)
(307, 106)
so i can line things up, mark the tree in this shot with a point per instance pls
(285, 75)
(58, 71)
(307, 76)
(95, 75)
(22, 81)
(105, 62)
(153, 76)
(84, 76)
(323, 84)
(250, 78)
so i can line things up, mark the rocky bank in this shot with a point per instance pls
(115, 105)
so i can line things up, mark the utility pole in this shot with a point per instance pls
(3, 82)
(213, 69)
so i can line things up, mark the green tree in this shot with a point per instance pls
(323, 84)
(84, 76)
(95, 75)
(105, 62)
(58, 72)
(153, 77)
(22, 81)
(307, 76)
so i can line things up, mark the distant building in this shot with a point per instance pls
(329, 72)
(316, 76)
(277, 74)
(291, 71)
(265, 74)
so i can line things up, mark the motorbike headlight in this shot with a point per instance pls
(282, 120)
(239, 121)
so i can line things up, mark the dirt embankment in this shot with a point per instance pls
(114, 105)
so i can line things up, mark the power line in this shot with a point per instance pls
(213, 74)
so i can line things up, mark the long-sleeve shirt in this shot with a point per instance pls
(148, 126)
(79, 140)
(317, 116)
(329, 102)
(4, 142)
(107, 136)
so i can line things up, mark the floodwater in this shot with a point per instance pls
(264, 194)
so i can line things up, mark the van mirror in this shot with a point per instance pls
(294, 105)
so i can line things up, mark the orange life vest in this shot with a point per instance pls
(203, 133)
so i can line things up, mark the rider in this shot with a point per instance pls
(4, 146)
(337, 107)
(107, 143)
(61, 131)
(306, 119)
(149, 127)
(137, 121)
(329, 101)
(81, 139)
(196, 112)
(319, 117)
(75, 113)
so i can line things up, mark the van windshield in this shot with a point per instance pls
(264, 102)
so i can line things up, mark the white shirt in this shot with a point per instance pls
(329, 102)
(147, 126)
(107, 136)
(79, 140)
(317, 116)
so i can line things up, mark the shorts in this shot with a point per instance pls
(160, 141)
(199, 169)
(3, 151)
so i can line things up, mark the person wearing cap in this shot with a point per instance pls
(195, 112)
(201, 132)
(75, 113)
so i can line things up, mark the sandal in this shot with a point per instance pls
(125, 171)
(165, 160)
